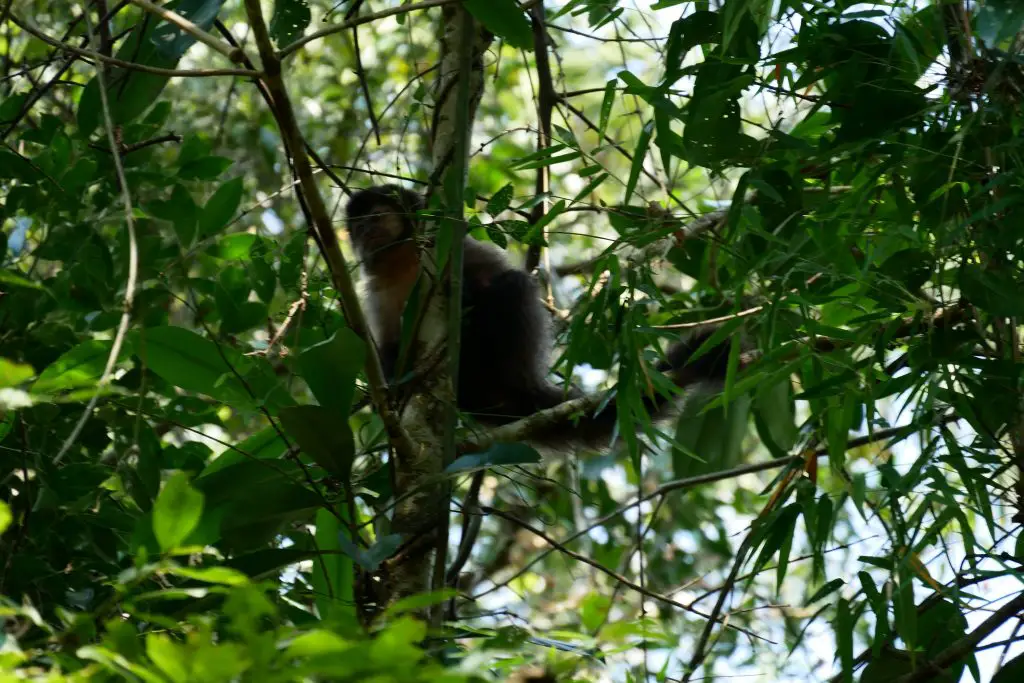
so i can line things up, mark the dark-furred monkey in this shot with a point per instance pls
(504, 352)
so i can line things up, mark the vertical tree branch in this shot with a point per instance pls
(546, 99)
(431, 414)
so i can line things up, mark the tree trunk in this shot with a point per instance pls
(421, 516)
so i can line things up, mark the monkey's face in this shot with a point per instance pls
(379, 229)
(381, 217)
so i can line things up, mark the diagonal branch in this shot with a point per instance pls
(700, 480)
(32, 30)
(966, 645)
(234, 53)
(324, 230)
(546, 100)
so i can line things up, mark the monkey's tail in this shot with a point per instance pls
(595, 429)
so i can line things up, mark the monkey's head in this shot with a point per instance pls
(380, 217)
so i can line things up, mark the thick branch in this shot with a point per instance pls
(430, 416)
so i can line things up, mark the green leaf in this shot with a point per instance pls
(826, 590)
(6, 517)
(999, 20)
(639, 156)
(330, 369)
(844, 638)
(13, 374)
(182, 211)
(500, 201)
(220, 575)
(498, 454)
(193, 363)
(221, 207)
(991, 289)
(322, 435)
(11, 107)
(699, 28)
(504, 19)
(80, 367)
(1011, 672)
(607, 102)
(289, 21)
(265, 444)
(205, 168)
(176, 512)
(236, 246)
(889, 666)
(15, 280)
(371, 558)
(168, 656)
(416, 603)
(153, 42)
(333, 571)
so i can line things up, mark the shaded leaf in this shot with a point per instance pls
(289, 21)
(176, 512)
(322, 435)
(498, 454)
(504, 19)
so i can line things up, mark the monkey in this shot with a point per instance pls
(506, 340)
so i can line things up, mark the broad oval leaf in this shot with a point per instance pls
(80, 367)
(176, 512)
(221, 207)
(322, 435)
(504, 19)
(155, 43)
(289, 21)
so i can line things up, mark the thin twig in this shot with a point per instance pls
(357, 21)
(591, 36)
(135, 147)
(605, 570)
(361, 72)
(113, 61)
(711, 477)
(133, 268)
(234, 54)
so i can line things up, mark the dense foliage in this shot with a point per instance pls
(195, 484)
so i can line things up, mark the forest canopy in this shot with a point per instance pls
(209, 470)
